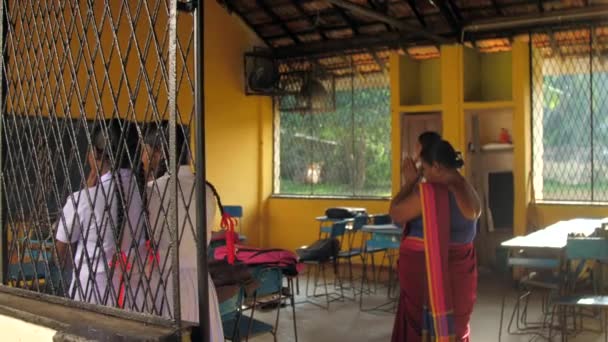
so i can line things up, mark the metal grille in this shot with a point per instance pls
(341, 146)
(570, 114)
(92, 93)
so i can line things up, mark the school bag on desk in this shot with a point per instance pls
(340, 213)
(321, 250)
(286, 260)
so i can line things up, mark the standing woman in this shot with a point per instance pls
(98, 224)
(158, 204)
(437, 268)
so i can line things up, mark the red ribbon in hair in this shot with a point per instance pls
(120, 259)
(228, 225)
(152, 254)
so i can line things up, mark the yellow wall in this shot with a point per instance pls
(292, 221)
(237, 160)
(545, 214)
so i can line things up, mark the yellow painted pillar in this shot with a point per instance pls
(395, 82)
(521, 135)
(452, 96)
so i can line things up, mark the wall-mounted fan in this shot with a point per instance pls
(261, 73)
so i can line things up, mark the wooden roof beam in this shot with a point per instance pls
(497, 8)
(419, 16)
(298, 6)
(277, 20)
(394, 22)
(232, 9)
(361, 42)
(449, 16)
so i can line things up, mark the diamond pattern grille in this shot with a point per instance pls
(340, 145)
(85, 86)
(570, 114)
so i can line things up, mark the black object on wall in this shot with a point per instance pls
(500, 192)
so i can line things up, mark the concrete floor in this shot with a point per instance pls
(345, 322)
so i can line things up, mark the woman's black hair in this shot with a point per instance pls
(157, 136)
(428, 138)
(217, 197)
(442, 153)
(120, 139)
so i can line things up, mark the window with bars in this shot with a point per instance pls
(340, 148)
(570, 115)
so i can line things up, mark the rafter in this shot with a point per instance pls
(362, 42)
(396, 23)
(311, 22)
(412, 4)
(449, 15)
(277, 20)
(455, 10)
(378, 60)
(353, 25)
(232, 9)
(497, 8)
(373, 5)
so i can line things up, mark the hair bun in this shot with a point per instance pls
(458, 161)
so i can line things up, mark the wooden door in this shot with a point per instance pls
(412, 125)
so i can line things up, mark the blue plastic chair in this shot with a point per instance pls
(336, 231)
(582, 249)
(231, 313)
(236, 211)
(351, 251)
(544, 280)
(39, 267)
(376, 244)
(385, 243)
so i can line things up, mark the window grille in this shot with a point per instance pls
(341, 145)
(570, 114)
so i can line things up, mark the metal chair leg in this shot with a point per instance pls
(250, 325)
(318, 270)
(293, 307)
(307, 279)
(363, 279)
(502, 316)
(374, 274)
(325, 283)
(276, 322)
(339, 280)
(605, 328)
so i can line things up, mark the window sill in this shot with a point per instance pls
(75, 324)
(321, 198)
(570, 203)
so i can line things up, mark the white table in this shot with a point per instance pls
(554, 236)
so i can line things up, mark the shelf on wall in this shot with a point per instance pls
(496, 147)
(419, 81)
(487, 76)
(488, 105)
(420, 108)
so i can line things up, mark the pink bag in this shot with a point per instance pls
(273, 257)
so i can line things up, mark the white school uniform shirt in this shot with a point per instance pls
(158, 205)
(86, 221)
